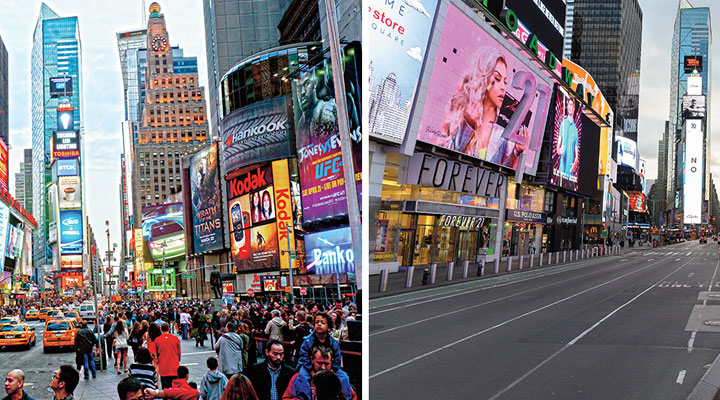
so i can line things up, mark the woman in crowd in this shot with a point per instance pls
(239, 388)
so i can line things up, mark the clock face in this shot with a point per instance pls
(159, 43)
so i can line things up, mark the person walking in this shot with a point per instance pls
(274, 326)
(168, 353)
(121, 336)
(214, 382)
(229, 350)
(85, 343)
(199, 330)
(184, 324)
(143, 369)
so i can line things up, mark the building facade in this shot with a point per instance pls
(300, 23)
(4, 99)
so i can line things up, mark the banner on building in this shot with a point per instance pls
(69, 195)
(206, 198)
(163, 231)
(693, 172)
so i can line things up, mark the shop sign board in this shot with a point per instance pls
(461, 221)
(441, 173)
(525, 216)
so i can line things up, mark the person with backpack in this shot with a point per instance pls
(229, 348)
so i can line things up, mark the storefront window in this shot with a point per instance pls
(423, 245)
(525, 197)
(445, 249)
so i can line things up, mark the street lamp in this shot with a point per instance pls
(164, 274)
(107, 232)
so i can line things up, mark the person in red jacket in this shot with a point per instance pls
(180, 389)
(168, 353)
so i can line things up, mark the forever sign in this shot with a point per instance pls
(439, 172)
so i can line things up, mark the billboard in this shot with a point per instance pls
(693, 63)
(72, 281)
(206, 198)
(253, 229)
(318, 137)
(69, 192)
(693, 172)
(545, 19)
(65, 144)
(158, 282)
(71, 262)
(163, 225)
(330, 252)
(71, 232)
(567, 130)
(67, 167)
(694, 85)
(284, 211)
(61, 86)
(4, 223)
(627, 152)
(65, 119)
(4, 164)
(693, 107)
(484, 99)
(584, 84)
(256, 133)
(637, 202)
(396, 57)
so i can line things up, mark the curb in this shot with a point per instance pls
(708, 386)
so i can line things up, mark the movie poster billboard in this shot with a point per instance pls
(566, 141)
(252, 215)
(318, 137)
(693, 107)
(693, 172)
(163, 231)
(71, 232)
(206, 199)
(502, 122)
(256, 133)
(396, 56)
(330, 252)
(69, 192)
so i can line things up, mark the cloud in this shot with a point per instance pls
(418, 6)
(415, 53)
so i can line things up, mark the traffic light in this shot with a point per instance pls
(234, 269)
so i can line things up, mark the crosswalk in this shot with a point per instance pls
(671, 253)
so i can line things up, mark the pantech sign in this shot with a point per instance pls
(693, 173)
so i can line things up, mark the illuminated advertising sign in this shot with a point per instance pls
(65, 120)
(65, 144)
(72, 281)
(71, 262)
(637, 202)
(256, 133)
(693, 63)
(694, 85)
(67, 167)
(71, 232)
(61, 86)
(566, 141)
(3, 164)
(283, 211)
(163, 230)
(693, 172)
(502, 123)
(206, 199)
(330, 252)
(158, 282)
(397, 55)
(585, 86)
(318, 137)
(4, 222)
(693, 107)
(253, 227)
(69, 192)
(13, 248)
(544, 18)
(627, 152)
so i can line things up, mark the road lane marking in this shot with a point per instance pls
(681, 377)
(188, 364)
(651, 259)
(198, 352)
(580, 336)
(691, 342)
(466, 338)
(690, 252)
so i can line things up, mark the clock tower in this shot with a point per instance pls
(159, 53)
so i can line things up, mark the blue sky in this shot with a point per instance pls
(99, 21)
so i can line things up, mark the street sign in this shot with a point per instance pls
(109, 270)
(189, 276)
(110, 283)
(303, 291)
(251, 292)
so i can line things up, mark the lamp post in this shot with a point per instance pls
(164, 274)
(107, 232)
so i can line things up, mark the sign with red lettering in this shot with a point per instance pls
(251, 292)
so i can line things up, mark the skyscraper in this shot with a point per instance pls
(234, 30)
(56, 53)
(4, 99)
(129, 42)
(27, 166)
(20, 185)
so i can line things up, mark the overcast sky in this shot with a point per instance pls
(102, 87)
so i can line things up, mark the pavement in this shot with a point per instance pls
(642, 324)
(39, 368)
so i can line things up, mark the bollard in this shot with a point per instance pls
(564, 255)
(577, 254)
(509, 263)
(451, 266)
(433, 273)
(482, 267)
(571, 255)
(557, 258)
(466, 265)
(383, 280)
(409, 278)
(542, 255)
(532, 259)
(522, 258)
(497, 264)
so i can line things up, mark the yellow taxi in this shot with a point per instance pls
(73, 315)
(43, 313)
(54, 314)
(10, 320)
(17, 335)
(32, 315)
(59, 333)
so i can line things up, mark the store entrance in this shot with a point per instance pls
(405, 247)
(467, 246)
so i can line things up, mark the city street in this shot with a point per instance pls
(39, 368)
(634, 326)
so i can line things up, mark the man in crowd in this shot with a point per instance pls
(169, 353)
(130, 389)
(184, 324)
(302, 385)
(85, 343)
(270, 378)
(229, 350)
(63, 383)
(180, 390)
(14, 386)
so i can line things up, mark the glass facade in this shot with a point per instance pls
(128, 44)
(4, 99)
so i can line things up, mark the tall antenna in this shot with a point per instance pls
(144, 16)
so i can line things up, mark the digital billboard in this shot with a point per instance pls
(67, 167)
(545, 19)
(252, 214)
(158, 282)
(4, 164)
(71, 232)
(65, 119)
(72, 281)
(206, 198)
(484, 99)
(626, 152)
(637, 202)
(693, 107)
(61, 86)
(4, 223)
(567, 130)
(693, 172)
(397, 55)
(694, 85)
(318, 137)
(69, 192)
(330, 252)
(693, 63)
(256, 133)
(65, 144)
(71, 262)
(163, 231)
